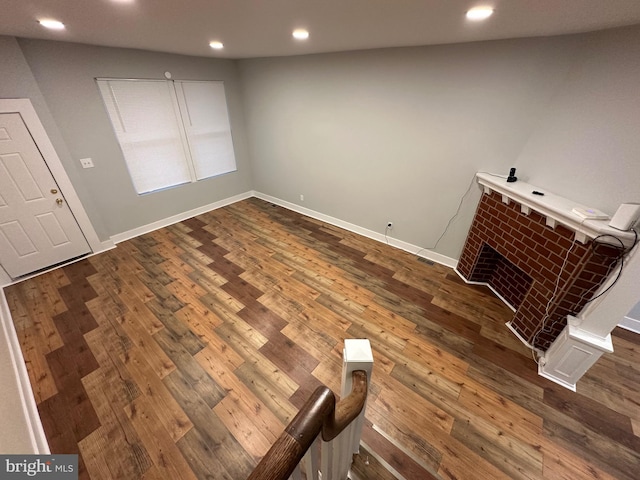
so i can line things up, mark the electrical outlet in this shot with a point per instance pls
(301, 198)
(86, 163)
(390, 225)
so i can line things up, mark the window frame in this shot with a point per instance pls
(180, 107)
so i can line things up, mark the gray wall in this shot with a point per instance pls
(65, 74)
(635, 313)
(587, 145)
(397, 134)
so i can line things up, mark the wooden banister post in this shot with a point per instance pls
(333, 429)
(356, 355)
(337, 455)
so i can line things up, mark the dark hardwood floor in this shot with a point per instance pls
(184, 353)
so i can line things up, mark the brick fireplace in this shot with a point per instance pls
(518, 245)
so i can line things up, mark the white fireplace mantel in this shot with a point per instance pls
(587, 336)
(555, 208)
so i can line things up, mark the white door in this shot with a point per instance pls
(37, 228)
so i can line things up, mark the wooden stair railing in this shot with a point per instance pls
(319, 415)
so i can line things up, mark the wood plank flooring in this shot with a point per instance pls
(184, 353)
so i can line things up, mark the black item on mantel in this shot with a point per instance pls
(512, 176)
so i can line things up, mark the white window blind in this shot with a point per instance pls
(204, 112)
(170, 133)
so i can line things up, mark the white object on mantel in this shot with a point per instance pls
(588, 336)
(556, 209)
(626, 216)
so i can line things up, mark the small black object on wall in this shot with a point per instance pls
(512, 176)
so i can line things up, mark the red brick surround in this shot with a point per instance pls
(521, 258)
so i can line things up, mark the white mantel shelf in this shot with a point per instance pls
(556, 209)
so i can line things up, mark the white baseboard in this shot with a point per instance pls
(631, 324)
(504, 300)
(495, 292)
(165, 222)
(522, 339)
(16, 386)
(554, 379)
(105, 246)
(421, 252)
(408, 247)
(5, 279)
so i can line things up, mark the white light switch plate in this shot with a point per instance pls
(86, 163)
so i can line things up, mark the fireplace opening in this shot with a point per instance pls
(506, 279)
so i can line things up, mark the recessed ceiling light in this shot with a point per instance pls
(52, 24)
(300, 34)
(479, 13)
(216, 45)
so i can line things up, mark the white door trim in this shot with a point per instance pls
(24, 107)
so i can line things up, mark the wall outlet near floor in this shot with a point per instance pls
(86, 163)
(301, 198)
(390, 225)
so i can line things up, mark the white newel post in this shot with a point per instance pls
(588, 336)
(357, 355)
(336, 456)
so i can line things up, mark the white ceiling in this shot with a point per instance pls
(260, 28)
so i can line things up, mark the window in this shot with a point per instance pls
(170, 132)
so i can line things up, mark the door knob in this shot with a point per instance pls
(59, 201)
(54, 191)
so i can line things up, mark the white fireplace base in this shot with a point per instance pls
(573, 353)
